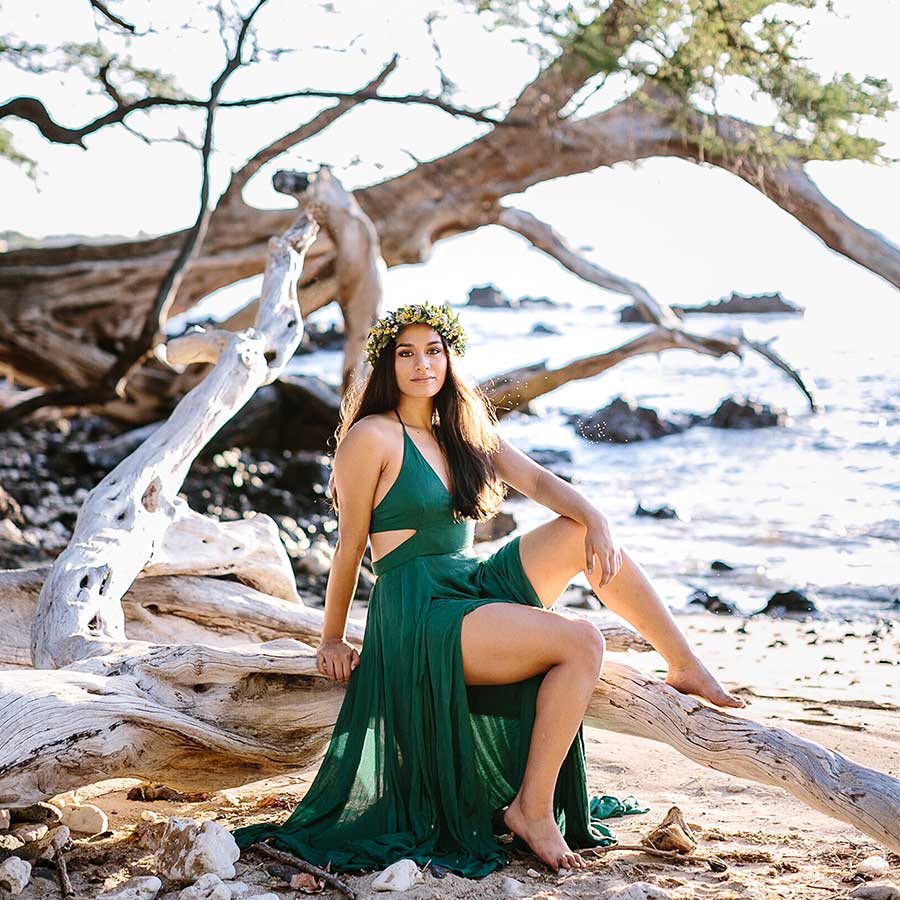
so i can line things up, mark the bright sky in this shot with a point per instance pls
(689, 233)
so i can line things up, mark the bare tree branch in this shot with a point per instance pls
(104, 11)
(515, 388)
(113, 382)
(30, 109)
(406, 99)
(546, 238)
(240, 178)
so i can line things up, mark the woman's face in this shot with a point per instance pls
(420, 361)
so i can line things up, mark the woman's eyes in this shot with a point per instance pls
(431, 350)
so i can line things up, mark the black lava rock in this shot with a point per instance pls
(623, 421)
(745, 413)
(661, 512)
(746, 304)
(489, 296)
(789, 602)
(713, 603)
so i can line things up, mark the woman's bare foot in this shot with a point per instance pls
(543, 836)
(696, 679)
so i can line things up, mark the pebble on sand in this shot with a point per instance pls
(206, 887)
(142, 887)
(874, 866)
(399, 876)
(883, 891)
(188, 850)
(85, 818)
(15, 874)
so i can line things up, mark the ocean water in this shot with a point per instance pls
(813, 505)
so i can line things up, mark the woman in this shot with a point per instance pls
(463, 715)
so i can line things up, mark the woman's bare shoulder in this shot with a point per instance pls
(372, 432)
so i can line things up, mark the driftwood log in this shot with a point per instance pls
(224, 711)
(173, 676)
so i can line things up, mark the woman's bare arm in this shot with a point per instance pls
(533, 480)
(541, 485)
(357, 467)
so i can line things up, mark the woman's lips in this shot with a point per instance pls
(423, 379)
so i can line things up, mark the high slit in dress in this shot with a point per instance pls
(421, 765)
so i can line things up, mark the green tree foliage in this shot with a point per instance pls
(693, 48)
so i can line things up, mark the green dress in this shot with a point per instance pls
(421, 765)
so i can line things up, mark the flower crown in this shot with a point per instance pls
(441, 318)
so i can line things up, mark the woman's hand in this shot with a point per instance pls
(599, 542)
(337, 659)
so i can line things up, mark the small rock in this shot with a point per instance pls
(10, 843)
(85, 819)
(712, 603)
(623, 421)
(15, 874)
(207, 887)
(148, 834)
(399, 876)
(66, 799)
(149, 815)
(874, 866)
(792, 601)
(264, 897)
(4, 819)
(36, 812)
(744, 304)
(882, 891)
(46, 847)
(511, 887)
(187, 850)
(661, 512)
(718, 566)
(540, 329)
(489, 296)
(634, 313)
(142, 887)
(533, 873)
(640, 890)
(27, 832)
(742, 412)
(498, 526)
(239, 889)
(538, 301)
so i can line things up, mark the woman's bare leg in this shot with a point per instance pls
(553, 553)
(570, 652)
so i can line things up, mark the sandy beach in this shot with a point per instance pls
(833, 682)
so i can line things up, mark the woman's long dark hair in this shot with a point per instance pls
(464, 425)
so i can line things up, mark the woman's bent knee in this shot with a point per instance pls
(589, 643)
